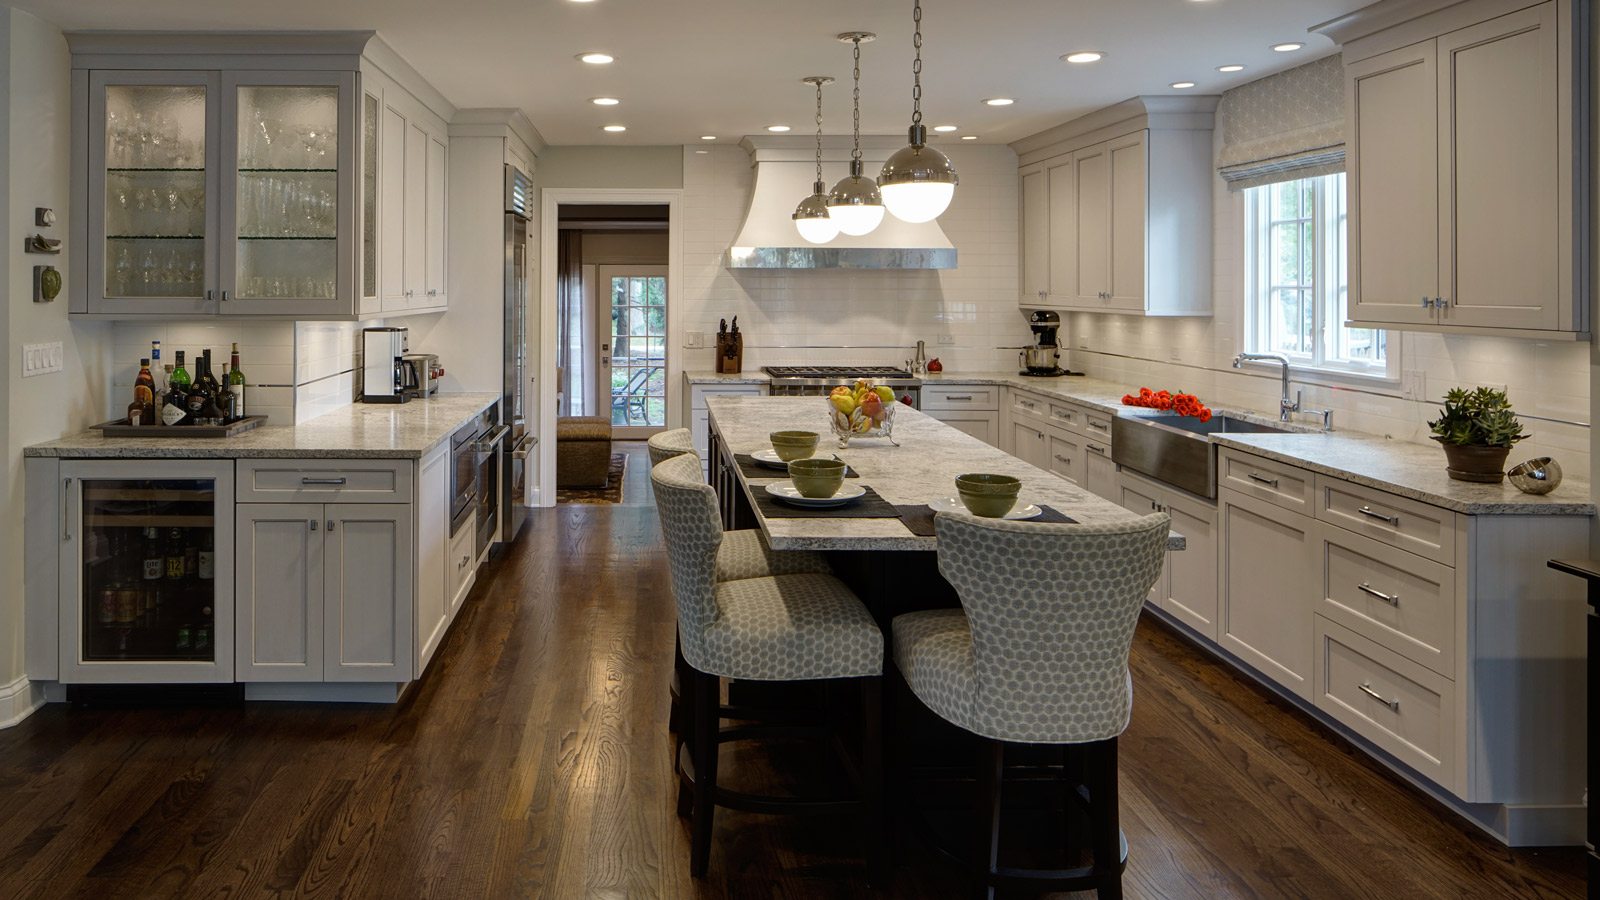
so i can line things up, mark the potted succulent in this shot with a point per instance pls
(1477, 429)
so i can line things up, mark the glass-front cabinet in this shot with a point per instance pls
(222, 193)
(146, 572)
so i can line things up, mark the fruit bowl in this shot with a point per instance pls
(862, 411)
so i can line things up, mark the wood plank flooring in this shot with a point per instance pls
(533, 761)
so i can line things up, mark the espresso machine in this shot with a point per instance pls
(1043, 359)
(383, 367)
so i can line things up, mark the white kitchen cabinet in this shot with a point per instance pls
(1099, 472)
(434, 280)
(1188, 588)
(1091, 216)
(982, 425)
(1135, 496)
(436, 571)
(1067, 455)
(1062, 234)
(1128, 223)
(1466, 154)
(1029, 443)
(1035, 244)
(973, 409)
(416, 217)
(392, 209)
(699, 417)
(279, 590)
(1269, 571)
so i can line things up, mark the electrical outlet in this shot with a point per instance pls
(947, 339)
(1414, 384)
(42, 359)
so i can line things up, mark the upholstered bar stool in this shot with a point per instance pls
(1038, 654)
(794, 627)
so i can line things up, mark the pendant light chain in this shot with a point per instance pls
(819, 131)
(855, 153)
(916, 65)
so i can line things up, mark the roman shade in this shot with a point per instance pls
(1283, 127)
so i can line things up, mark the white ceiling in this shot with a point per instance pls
(731, 67)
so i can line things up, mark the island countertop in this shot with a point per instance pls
(358, 431)
(923, 468)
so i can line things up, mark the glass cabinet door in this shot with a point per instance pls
(152, 191)
(290, 209)
(147, 574)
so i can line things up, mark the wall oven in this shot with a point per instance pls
(464, 475)
(475, 473)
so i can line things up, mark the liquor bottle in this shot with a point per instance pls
(175, 554)
(176, 411)
(143, 408)
(236, 384)
(208, 556)
(155, 566)
(156, 370)
(204, 375)
(225, 399)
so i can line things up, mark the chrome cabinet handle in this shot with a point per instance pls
(1427, 302)
(1258, 479)
(312, 523)
(1367, 689)
(1063, 459)
(1371, 513)
(225, 297)
(433, 293)
(1095, 448)
(330, 524)
(1391, 599)
(211, 296)
(1441, 302)
(66, 509)
(322, 481)
(1099, 426)
(958, 396)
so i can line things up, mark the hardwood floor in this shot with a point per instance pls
(533, 760)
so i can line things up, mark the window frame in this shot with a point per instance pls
(1325, 255)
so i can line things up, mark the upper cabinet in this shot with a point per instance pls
(221, 177)
(1116, 210)
(1467, 175)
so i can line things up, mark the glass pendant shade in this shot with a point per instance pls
(811, 217)
(918, 181)
(855, 203)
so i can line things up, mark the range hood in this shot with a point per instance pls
(785, 167)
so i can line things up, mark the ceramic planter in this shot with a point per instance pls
(1482, 465)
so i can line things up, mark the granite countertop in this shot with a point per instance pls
(358, 431)
(704, 376)
(923, 468)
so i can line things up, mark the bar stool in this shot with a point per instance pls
(797, 627)
(1038, 654)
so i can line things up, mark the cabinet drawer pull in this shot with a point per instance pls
(1371, 513)
(958, 396)
(322, 481)
(1367, 689)
(1100, 426)
(1259, 479)
(1096, 448)
(1391, 599)
(1063, 459)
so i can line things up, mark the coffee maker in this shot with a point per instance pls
(1043, 358)
(383, 369)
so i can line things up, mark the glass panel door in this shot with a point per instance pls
(636, 330)
(287, 192)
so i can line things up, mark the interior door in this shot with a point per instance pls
(632, 373)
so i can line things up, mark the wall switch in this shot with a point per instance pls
(1414, 384)
(695, 340)
(42, 359)
(947, 339)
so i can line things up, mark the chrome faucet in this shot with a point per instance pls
(1285, 405)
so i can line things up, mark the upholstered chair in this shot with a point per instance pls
(792, 627)
(1037, 654)
(664, 445)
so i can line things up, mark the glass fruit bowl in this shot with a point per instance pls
(862, 411)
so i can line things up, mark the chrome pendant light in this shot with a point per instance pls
(811, 217)
(918, 181)
(855, 202)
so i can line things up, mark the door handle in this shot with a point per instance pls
(330, 524)
(1391, 599)
(1367, 689)
(211, 296)
(225, 297)
(312, 523)
(1370, 513)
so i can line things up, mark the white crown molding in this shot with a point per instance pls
(18, 700)
(494, 121)
(1189, 113)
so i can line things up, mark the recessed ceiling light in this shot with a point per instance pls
(969, 137)
(582, 1)
(1231, 67)
(1288, 47)
(946, 128)
(777, 128)
(1182, 85)
(708, 137)
(1084, 56)
(605, 101)
(999, 101)
(596, 59)
(615, 128)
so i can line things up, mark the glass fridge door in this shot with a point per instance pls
(148, 576)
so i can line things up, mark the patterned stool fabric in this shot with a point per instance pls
(1039, 651)
(664, 445)
(745, 554)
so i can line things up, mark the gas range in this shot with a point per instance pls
(812, 381)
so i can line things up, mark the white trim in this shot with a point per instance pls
(549, 225)
(18, 700)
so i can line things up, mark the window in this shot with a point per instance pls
(1297, 296)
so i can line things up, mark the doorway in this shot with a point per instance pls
(632, 337)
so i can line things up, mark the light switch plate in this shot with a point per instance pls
(696, 340)
(947, 339)
(42, 359)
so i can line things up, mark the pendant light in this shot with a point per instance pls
(855, 202)
(811, 216)
(918, 181)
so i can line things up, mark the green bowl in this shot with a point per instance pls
(792, 445)
(988, 506)
(996, 485)
(817, 478)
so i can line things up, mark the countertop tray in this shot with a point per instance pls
(121, 428)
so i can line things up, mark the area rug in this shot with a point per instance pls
(610, 493)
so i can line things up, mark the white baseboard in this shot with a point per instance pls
(18, 700)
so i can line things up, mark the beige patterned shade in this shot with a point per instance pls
(1283, 127)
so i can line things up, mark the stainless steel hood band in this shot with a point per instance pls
(841, 258)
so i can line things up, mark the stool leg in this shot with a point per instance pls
(991, 771)
(1106, 828)
(682, 723)
(707, 721)
(878, 869)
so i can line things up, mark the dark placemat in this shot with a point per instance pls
(919, 518)
(870, 506)
(749, 468)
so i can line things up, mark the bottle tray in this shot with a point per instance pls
(121, 428)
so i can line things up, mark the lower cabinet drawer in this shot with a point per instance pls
(1404, 708)
(1402, 601)
(1422, 529)
(462, 561)
(1277, 483)
(960, 396)
(324, 480)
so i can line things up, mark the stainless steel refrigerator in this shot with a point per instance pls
(518, 452)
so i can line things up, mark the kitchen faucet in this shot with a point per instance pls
(1286, 407)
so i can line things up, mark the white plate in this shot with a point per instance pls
(785, 491)
(954, 504)
(769, 458)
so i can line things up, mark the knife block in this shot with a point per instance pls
(730, 354)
